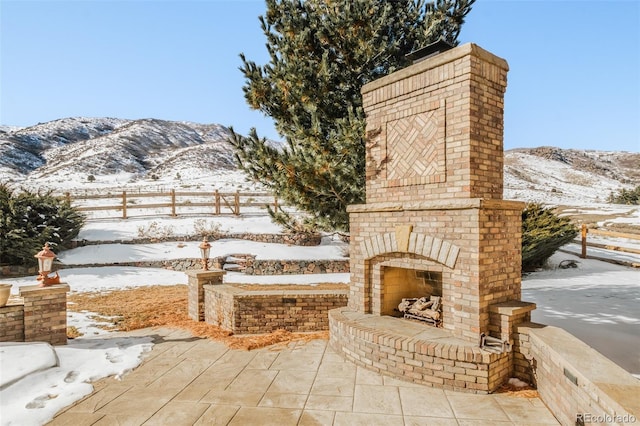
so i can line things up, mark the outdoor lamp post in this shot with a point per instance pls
(204, 253)
(45, 265)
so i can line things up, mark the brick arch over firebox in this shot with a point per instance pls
(413, 249)
(406, 241)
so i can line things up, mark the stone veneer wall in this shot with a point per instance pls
(301, 239)
(574, 379)
(254, 312)
(286, 267)
(40, 316)
(253, 267)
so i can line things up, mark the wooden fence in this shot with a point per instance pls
(172, 203)
(586, 231)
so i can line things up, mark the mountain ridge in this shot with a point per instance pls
(109, 145)
(75, 148)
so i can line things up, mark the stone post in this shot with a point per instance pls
(197, 279)
(45, 313)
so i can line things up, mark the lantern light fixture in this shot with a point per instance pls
(205, 247)
(45, 265)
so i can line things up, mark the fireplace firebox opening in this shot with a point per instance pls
(403, 283)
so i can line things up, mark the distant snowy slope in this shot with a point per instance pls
(23, 150)
(74, 152)
(104, 146)
(570, 177)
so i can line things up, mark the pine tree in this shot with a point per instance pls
(543, 232)
(626, 196)
(322, 52)
(28, 220)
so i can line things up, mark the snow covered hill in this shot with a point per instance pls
(80, 153)
(76, 148)
(568, 176)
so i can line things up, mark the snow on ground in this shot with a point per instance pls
(632, 217)
(605, 209)
(37, 397)
(615, 241)
(529, 177)
(597, 302)
(606, 254)
(127, 229)
(191, 178)
(107, 278)
(112, 253)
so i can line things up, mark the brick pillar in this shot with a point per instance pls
(45, 313)
(505, 319)
(507, 316)
(197, 279)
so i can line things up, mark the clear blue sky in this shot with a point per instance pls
(574, 79)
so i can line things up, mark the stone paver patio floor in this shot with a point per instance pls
(192, 381)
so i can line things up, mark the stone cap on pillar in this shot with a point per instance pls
(33, 290)
(202, 274)
(512, 307)
(468, 49)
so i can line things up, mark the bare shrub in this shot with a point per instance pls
(208, 229)
(155, 231)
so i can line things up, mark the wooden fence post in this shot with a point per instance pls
(173, 202)
(236, 201)
(217, 203)
(584, 241)
(275, 204)
(124, 204)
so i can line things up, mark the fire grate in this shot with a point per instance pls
(424, 309)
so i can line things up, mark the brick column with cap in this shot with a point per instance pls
(45, 313)
(197, 279)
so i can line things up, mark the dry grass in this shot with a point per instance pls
(73, 332)
(154, 306)
(519, 392)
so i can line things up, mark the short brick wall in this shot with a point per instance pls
(577, 383)
(12, 322)
(264, 311)
(416, 352)
(17, 270)
(38, 315)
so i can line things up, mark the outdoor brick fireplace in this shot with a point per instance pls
(435, 224)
